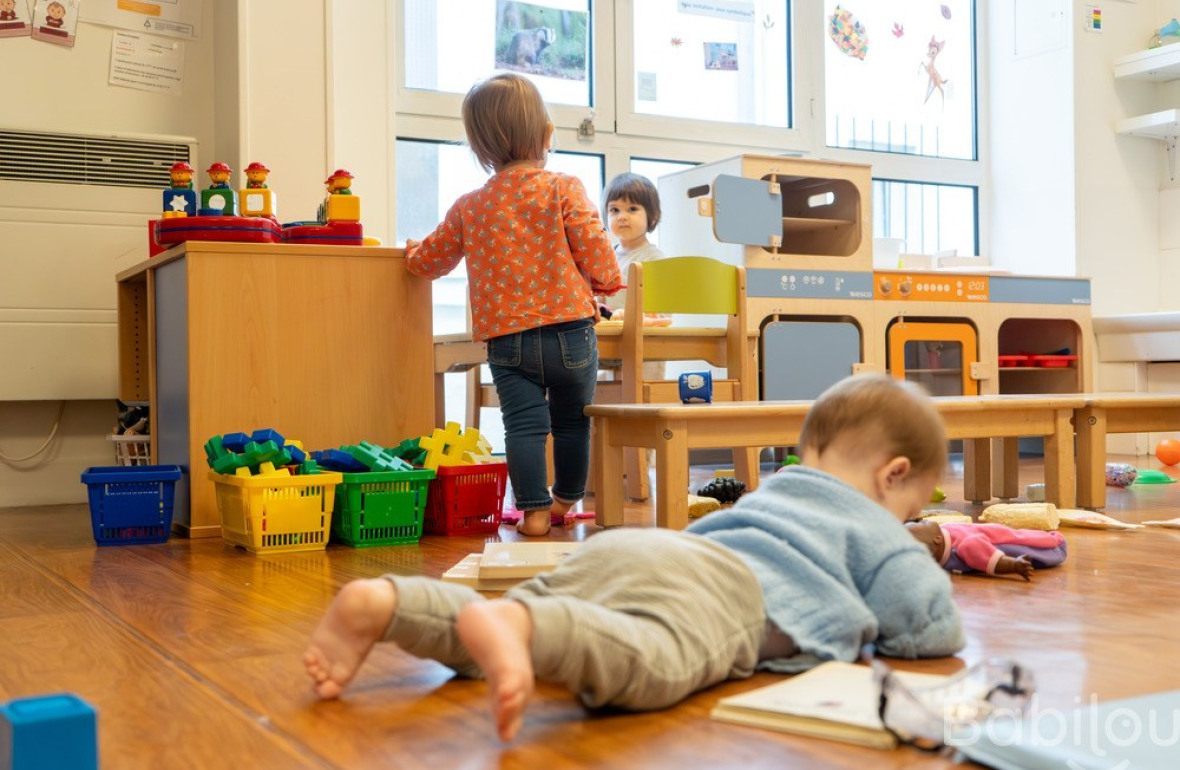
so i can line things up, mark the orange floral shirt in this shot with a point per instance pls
(536, 252)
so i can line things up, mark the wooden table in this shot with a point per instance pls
(326, 344)
(672, 429)
(1105, 413)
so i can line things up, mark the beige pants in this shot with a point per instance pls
(635, 618)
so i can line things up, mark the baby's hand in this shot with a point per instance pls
(1019, 565)
(411, 244)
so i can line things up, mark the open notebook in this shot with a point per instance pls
(503, 565)
(835, 700)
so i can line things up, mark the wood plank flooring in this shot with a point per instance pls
(191, 650)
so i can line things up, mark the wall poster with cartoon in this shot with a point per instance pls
(15, 20)
(55, 21)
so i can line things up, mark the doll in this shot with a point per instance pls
(991, 548)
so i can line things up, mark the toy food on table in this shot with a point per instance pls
(1022, 515)
(1169, 523)
(1071, 517)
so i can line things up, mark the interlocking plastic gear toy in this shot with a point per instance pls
(723, 490)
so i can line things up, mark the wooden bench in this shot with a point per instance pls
(1105, 413)
(672, 429)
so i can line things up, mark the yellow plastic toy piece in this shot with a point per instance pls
(342, 208)
(454, 446)
(258, 202)
(295, 443)
(172, 214)
(243, 471)
(268, 469)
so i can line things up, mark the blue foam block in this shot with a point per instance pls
(48, 732)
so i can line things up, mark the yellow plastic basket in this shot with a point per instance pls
(276, 514)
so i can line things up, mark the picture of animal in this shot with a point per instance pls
(934, 79)
(528, 44)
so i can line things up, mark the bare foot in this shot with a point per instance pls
(355, 620)
(497, 634)
(533, 523)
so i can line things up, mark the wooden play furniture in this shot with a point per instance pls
(327, 344)
(1105, 413)
(695, 286)
(673, 429)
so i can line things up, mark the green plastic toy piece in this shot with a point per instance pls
(1152, 476)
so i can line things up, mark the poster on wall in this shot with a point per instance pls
(55, 21)
(542, 40)
(171, 18)
(15, 20)
(147, 62)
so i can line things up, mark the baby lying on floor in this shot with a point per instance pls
(991, 548)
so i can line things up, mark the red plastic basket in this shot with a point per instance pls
(466, 499)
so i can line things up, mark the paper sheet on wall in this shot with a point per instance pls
(147, 63)
(15, 20)
(171, 18)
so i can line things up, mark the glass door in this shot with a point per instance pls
(936, 355)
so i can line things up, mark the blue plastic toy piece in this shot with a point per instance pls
(696, 387)
(262, 435)
(48, 732)
(297, 454)
(178, 199)
(235, 442)
(339, 460)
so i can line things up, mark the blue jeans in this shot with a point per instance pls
(545, 377)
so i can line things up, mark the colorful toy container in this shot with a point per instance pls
(131, 505)
(380, 508)
(275, 514)
(466, 499)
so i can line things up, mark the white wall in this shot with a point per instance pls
(302, 85)
(1032, 128)
(1117, 177)
(60, 245)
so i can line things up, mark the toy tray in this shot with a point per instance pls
(1021, 359)
(1053, 362)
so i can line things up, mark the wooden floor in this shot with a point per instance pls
(191, 653)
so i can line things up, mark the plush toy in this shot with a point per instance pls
(1041, 516)
(991, 548)
(1120, 474)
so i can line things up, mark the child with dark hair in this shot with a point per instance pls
(632, 211)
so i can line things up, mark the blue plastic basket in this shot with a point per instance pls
(131, 505)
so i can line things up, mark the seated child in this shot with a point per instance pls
(991, 548)
(810, 567)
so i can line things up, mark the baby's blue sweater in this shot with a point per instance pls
(837, 571)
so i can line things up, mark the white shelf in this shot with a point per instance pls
(1157, 125)
(1155, 64)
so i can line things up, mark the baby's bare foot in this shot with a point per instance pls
(497, 634)
(355, 620)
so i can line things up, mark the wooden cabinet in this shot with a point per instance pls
(327, 344)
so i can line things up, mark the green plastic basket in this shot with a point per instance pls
(380, 508)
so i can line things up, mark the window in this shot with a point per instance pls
(927, 218)
(900, 77)
(733, 57)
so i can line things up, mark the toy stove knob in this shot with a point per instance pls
(886, 285)
(904, 286)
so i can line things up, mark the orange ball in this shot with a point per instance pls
(1168, 451)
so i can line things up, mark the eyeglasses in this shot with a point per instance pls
(924, 717)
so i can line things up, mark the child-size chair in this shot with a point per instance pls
(687, 285)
